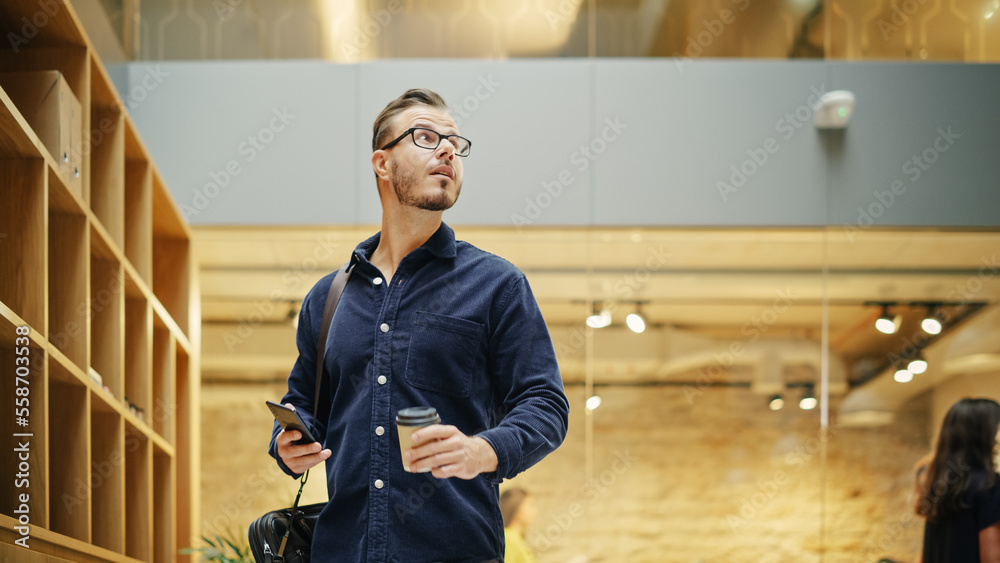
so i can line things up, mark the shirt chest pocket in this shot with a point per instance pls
(442, 353)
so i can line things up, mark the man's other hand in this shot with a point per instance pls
(302, 457)
(449, 453)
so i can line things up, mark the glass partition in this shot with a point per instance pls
(363, 30)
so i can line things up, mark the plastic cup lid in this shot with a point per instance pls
(414, 416)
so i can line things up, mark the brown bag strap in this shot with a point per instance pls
(332, 298)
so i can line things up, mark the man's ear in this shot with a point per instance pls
(380, 164)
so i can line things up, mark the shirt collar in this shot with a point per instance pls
(441, 244)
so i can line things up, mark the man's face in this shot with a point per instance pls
(429, 179)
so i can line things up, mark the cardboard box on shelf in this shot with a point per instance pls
(52, 110)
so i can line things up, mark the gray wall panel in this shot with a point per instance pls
(286, 127)
(689, 124)
(900, 110)
(679, 128)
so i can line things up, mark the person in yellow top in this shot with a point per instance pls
(518, 509)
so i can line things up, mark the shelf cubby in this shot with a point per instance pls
(107, 479)
(31, 406)
(171, 257)
(106, 316)
(107, 172)
(71, 60)
(69, 247)
(138, 479)
(138, 211)
(164, 504)
(164, 407)
(69, 454)
(23, 238)
(138, 348)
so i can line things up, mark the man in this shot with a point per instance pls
(425, 320)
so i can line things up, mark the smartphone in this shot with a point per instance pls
(290, 420)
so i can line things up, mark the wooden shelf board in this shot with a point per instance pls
(14, 319)
(146, 430)
(62, 25)
(167, 218)
(161, 317)
(134, 147)
(61, 198)
(17, 139)
(59, 545)
(101, 244)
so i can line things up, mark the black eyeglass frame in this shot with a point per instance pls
(441, 137)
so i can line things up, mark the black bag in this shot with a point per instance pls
(285, 535)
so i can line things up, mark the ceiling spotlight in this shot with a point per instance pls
(593, 402)
(776, 403)
(931, 323)
(903, 375)
(917, 365)
(635, 322)
(808, 401)
(599, 319)
(886, 323)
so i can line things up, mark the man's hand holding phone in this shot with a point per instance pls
(301, 457)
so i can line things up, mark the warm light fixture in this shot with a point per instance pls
(903, 375)
(917, 365)
(599, 319)
(808, 401)
(593, 402)
(636, 323)
(776, 403)
(931, 323)
(886, 323)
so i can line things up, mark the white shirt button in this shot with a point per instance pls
(379, 484)
(382, 380)
(379, 430)
(377, 281)
(384, 327)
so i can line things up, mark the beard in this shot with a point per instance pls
(405, 184)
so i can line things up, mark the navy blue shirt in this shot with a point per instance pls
(955, 538)
(457, 329)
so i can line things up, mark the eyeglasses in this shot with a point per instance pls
(431, 139)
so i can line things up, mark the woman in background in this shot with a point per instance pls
(518, 509)
(959, 490)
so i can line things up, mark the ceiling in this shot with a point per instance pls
(714, 284)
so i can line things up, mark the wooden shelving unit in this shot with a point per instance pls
(99, 268)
